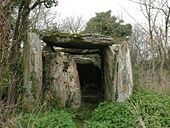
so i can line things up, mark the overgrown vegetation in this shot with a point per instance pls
(114, 115)
(55, 118)
(144, 109)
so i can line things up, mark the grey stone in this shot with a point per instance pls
(88, 41)
(124, 73)
(33, 67)
(64, 82)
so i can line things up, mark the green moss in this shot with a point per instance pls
(61, 35)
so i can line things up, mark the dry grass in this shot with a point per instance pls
(151, 81)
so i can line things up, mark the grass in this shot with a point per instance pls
(145, 109)
(83, 114)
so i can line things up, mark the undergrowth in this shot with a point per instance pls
(145, 109)
(55, 118)
(112, 115)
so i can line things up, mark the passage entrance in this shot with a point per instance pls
(90, 82)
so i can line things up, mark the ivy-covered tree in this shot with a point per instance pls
(106, 24)
(14, 32)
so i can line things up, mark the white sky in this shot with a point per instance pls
(87, 9)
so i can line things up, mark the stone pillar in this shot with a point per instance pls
(109, 67)
(61, 77)
(33, 67)
(124, 73)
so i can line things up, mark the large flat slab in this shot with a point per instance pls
(84, 41)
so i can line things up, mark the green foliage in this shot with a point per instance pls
(151, 108)
(114, 115)
(50, 3)
(154, 108)
(82, 114)
(50, 119)
(97, 124)
(106, 24)
(55, 119)
(5, 77)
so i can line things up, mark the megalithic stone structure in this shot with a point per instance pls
(124, 78)
(61, 79)
(33, 67)
(109, 67)
(72, 65)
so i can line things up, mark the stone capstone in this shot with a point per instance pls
(88, 41)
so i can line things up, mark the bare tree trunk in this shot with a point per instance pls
(164, 45)
(167, 23)
(151, 41)
(161, 68)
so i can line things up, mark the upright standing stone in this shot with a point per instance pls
(63, 80)
(124, 73)
(33, 67)
(110, 72)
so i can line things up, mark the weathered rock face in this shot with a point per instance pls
(63, 80)
(33, 67)
(88, 59)
(81, 51)
(109, 70)
(117, 70)
(124, 73)
(84, 41)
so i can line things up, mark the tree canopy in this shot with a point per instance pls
(106, 24)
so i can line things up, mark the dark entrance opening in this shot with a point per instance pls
(90, 82)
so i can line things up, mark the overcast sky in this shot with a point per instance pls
(87, 9)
